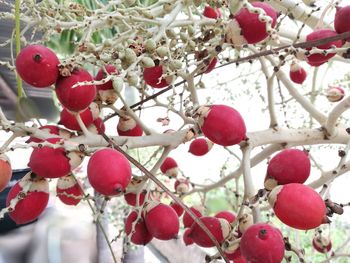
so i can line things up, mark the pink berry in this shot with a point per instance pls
(288, 166)
(298, 206)
(335, 94)
(319, 59)
(200, 146)
(222, 124)
(97, 126)
(262, 243)
(219, 228)
(38, 66)
(252, 29)
(161, 221)
(69, 190)
(78, 98)
(297, 74)
(141, 236)
(109, 172)
(33, 203)
(236, 256)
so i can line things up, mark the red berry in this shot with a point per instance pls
(211, 12)
(262, 243)
(38, 66)
(288, 166)
(187, 219)
(97, 126)
(169, 167)
(153, 77)
(161, 221)
(34, 202)
(219, 228)
(130, 198)
(127, 126)
(211, 65)
(51, 162)
(297, 74)
(141, 236)
(69, 190)
(222, 124)
(252, 29)
(229, 216)
(341, 20)
(111, 70)
(200, 146)
(78, 98)
(70, 121)
(187, 240)
(319, 59)
(298, 206)
(178, 209)
(236, 256)
(109, 172)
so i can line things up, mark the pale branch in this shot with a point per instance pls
(333, 116)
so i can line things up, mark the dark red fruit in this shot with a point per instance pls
(322, 244)
(211, 65)
(78, 98)
(130, 198)
(38, 66)
(178, 209)
(169, 167)
(262, 243)
(127, 126)
(200, 146)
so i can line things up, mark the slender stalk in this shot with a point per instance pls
(18, 45)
